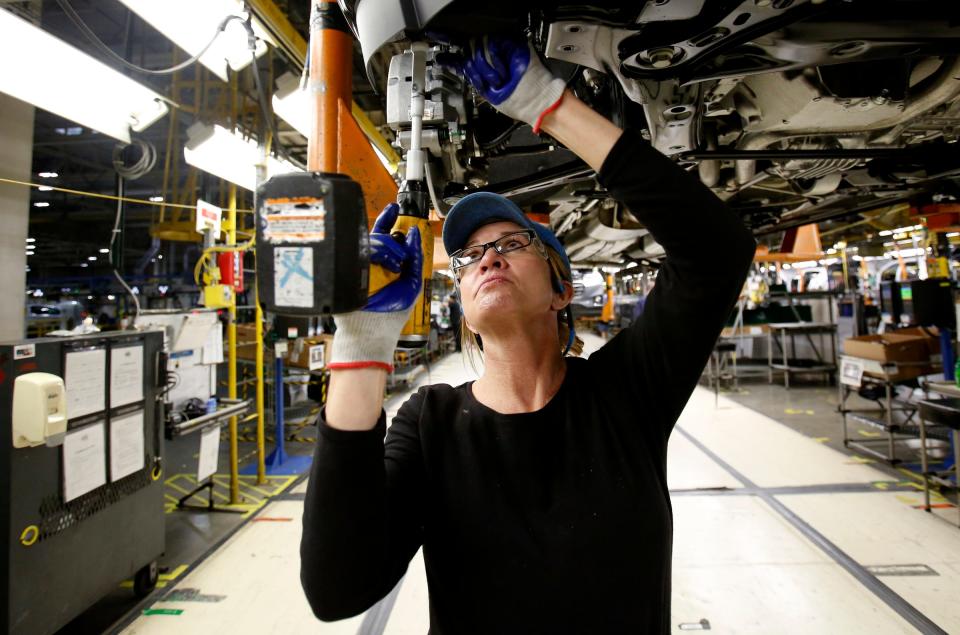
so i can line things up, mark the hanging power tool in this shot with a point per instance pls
(312, 242)
(413, 196)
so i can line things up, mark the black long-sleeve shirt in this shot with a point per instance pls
(554, 521)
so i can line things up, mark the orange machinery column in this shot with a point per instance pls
(336, 143)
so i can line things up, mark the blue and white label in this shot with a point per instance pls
(293, 276)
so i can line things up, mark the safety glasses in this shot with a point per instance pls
(505, 244)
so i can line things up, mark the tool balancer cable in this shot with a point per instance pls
(140, 167)
(103, 48)
(252, 42)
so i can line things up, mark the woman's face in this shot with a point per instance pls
(512, 288)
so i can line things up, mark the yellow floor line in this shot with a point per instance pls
(255, 509)
(288, 481)
(258, 496)
(243, 484)
(254, 492)
(222, 497)
(178, 488)
(175, 478)
(173, 574)
(909, 474)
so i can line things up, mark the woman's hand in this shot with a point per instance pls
(368, 337)
(509, 74)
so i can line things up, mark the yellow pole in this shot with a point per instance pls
(846, 272)
(261, 457)
(232, 353)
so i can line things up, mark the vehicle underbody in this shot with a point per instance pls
(792, 111)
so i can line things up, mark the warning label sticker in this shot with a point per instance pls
(293, 276)
(294, 220)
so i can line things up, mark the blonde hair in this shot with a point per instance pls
(470, 342)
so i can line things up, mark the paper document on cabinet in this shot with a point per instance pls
(85, 377)
(84, 461)
(126, 445)
(126, 375)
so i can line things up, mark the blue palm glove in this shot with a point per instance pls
(367, 338)
(510, 75)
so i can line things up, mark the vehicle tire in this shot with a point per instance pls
(145, 580)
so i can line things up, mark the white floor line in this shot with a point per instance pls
(884, 528)
(688, 468)
(766, 451)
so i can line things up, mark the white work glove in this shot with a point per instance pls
(510, 75)
(367, 338)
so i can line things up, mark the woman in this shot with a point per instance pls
(539, 491)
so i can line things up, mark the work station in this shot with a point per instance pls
(392, 317)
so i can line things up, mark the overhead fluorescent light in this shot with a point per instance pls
(44, 188)
(45, 71)
(191, 25)
(47, 175)
(31, 240)
(909, 253)
(156, 199)
(230, 156)
(901, 230)
(41, 204)
(292, 104)
(104, 250)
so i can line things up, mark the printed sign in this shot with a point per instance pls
(851, 372)
(294, 220)
(208, 217)
(293, 276)
(317, 360)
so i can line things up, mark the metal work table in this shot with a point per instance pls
(784, 331)
(793, 297)
(944, 412)
(216, 419)
(744, 368)
(887, 376)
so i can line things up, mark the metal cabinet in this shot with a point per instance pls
(79, 519)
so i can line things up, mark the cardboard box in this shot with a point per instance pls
(310, 353)
(915, 351)
(930, 336)
(888, 347)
